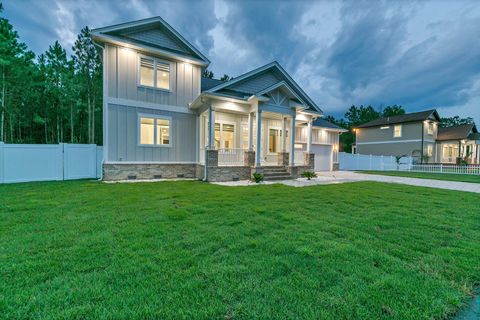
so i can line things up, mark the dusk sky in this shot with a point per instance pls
(418, 54)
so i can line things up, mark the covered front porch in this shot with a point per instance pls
(253, 137)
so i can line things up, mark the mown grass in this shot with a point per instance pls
(190, 250)
(426, 175)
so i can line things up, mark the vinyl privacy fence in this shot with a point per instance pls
(43, 162)
(348, 161)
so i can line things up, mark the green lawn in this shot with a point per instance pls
(191, 250)
(426, 175)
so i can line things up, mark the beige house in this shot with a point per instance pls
(418, 135)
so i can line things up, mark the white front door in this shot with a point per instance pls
(323, 157)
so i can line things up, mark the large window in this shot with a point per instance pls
(224, 136)
(430, 150)
(154, 73)
(275, 140)
(154, 131)
(397, 131)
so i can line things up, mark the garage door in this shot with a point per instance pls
(323, 157)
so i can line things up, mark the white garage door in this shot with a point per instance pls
(323, 157)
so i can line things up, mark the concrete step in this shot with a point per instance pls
(275, 174)
(283, 177)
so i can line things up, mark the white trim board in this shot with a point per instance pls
(148, 105)
(151, 162)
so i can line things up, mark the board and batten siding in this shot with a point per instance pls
(123, 136)
(122, 79)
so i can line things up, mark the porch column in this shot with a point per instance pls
(284, 135)
(211, 128)
(309, 136)
(250, 131)
(292, 137)
(259, 135)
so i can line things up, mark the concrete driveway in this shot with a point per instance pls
(348, 176)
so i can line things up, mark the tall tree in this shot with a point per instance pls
(455, 121)
(359, 115)
(88, 66)
(207, 74)
(394, 110)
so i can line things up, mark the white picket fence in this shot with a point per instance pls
(352, 162)
(441, 168)
(44, 162)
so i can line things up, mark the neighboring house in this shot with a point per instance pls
(418, 135)
(459, 141)
(163, 120)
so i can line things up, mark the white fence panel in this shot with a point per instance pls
(30, 162)
(348, 161)
(80, 161)
(37, 162)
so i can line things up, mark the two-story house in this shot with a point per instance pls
(419, 135)
(161, 119)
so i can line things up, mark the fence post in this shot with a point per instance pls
(441, 167)
(2, 156)
(61, 147)
(357, 161)
(370, 162)
(382, 165)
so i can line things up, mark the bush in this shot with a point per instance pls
(257, 177)
(309, 175)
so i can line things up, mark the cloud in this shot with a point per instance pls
(419, 54)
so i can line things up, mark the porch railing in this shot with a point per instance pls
(230, 157)
(299, 158)
(440, 168)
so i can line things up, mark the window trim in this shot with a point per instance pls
(155, 117)
(401, 130)
(155, 61)
(430, 150)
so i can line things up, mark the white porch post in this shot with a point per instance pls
(250, 131)
(284, 135)
(259, 135)
(211, 128)
(309, 136)
(292, 137)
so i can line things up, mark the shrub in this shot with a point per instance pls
(257, 177)
(309, 175)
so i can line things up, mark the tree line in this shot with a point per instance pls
(52, 97)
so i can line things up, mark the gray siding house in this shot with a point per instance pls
(163, 120)
(418, 135)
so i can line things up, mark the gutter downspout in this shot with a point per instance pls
(423, 137)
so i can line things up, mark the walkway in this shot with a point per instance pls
(348, 176)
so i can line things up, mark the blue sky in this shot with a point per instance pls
(420, 54)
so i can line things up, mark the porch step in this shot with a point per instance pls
(283, 177)
(276, 173)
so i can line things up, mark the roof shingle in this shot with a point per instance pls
(409, 117)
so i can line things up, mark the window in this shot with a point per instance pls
(397, 131)
(450, 151)
(154, 73)
(154, 131)
(430, 128)
(224, 136)
(430, 150)
(273, 140)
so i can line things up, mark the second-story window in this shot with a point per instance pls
(430, 128)
(154, 73)
(397, 131)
